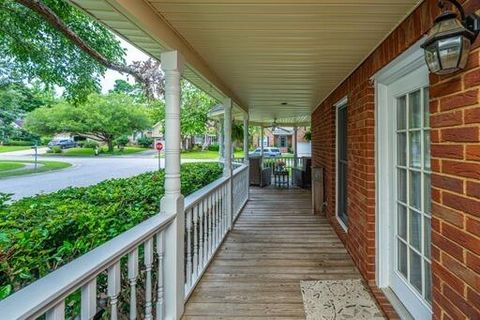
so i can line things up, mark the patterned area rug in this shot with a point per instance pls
(339, 299)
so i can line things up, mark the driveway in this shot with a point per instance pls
(84, 172)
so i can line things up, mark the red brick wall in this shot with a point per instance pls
(455, 118)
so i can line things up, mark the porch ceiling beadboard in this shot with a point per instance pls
(264, 52)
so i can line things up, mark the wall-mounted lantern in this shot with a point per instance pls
(449, 41)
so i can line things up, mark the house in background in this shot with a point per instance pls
(283, 138)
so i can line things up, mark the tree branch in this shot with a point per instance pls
(54, 20)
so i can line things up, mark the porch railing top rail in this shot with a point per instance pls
(46, 292)
(198, 195)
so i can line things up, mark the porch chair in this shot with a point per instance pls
(259, 176)
(302, 175)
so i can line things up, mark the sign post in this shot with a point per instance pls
(35, 148)
(159, 147)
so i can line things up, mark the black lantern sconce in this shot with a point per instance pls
(449, 41)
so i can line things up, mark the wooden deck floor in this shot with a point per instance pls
(276, 243)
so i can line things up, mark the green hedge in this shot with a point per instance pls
(41, 233)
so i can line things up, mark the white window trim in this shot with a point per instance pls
(341, 103)
(411, 60)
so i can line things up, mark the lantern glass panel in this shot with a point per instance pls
(465, 52)
(431, 56)
(450, 50)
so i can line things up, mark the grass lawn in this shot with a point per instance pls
(13, 148)
(45, 167)
(88, 152)
(6, 166)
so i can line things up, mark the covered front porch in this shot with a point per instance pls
(275, 243)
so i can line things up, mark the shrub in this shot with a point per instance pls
(145, 142)
(214, 147)
(41, 233)
(45, 140)
(122, 141)
(19, 143)
(89, 144)
(56, 149)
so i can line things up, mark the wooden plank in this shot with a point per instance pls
(257, 271)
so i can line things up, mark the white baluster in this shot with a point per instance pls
(160, 276)
(205, 231)
(132, 279)
(114, 289)
(210, 225)
(195, 241)
(148, 260)
(88, 305)
(215, 220)
(224, 218)
(57, 312)
(201, 240)
(188, 218)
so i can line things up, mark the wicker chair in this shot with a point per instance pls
(259, 176)
(302, 175)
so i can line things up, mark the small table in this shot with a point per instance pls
(281, 178)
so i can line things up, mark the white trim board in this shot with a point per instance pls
(341, 103)
(392, 77)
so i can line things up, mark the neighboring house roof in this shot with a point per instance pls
(157, 125)
(283, 131)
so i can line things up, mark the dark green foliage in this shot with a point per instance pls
(41, 233)
(19, 143)
(214, 147)
(145, 142)
(121, 142)
(89, 144)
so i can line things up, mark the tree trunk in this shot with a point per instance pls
(110, 145)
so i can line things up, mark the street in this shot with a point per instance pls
(84, 172)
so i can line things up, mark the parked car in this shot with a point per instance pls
(62, 143)
(267, 152)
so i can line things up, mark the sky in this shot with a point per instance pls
(133, 54)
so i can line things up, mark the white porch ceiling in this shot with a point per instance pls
(263, 52)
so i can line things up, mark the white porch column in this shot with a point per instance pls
(262, 137)
(173, 201)
(245, 138)
(221, 140)
(227, 151)
(295, 144)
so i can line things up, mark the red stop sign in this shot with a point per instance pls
(159, 146)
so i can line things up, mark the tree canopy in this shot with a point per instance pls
(101, 117)
(194, 110)
(17, 99)
(34, 49)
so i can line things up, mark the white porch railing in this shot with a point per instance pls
(240, 190)
(206, 225)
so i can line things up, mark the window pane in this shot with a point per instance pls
(402, 222)
(426, 108)
(428, 282)
(401, 113)
(402, 185)
(427, 147)
(415, 149)
(415, 110)
(415, 189)
(427, 237)
(402, 258)
(402, 149)
(415, 229)
(427, 194)
(416, 270)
